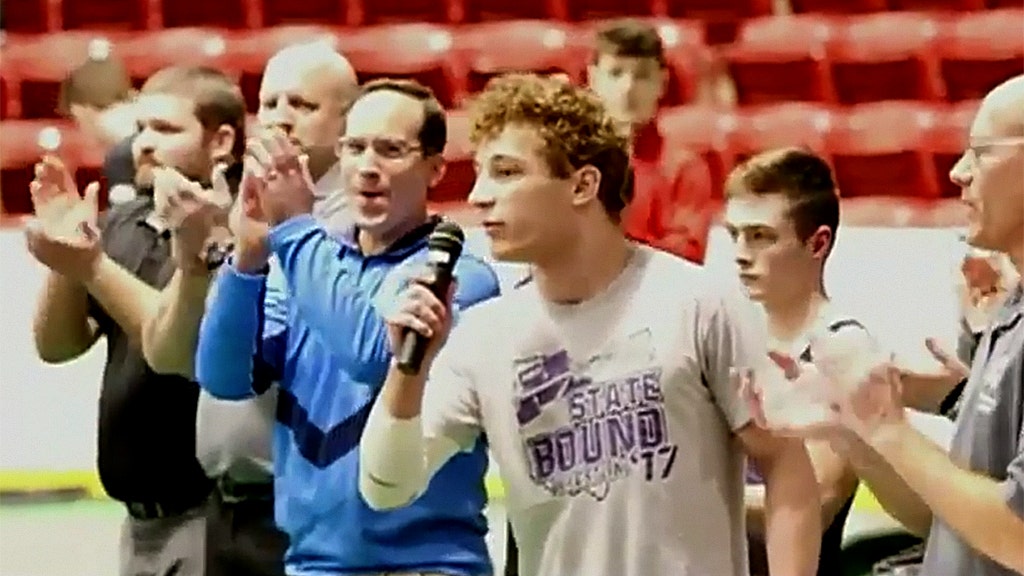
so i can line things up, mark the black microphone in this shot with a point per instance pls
(443, 250)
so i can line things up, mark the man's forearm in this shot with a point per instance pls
(792, 520)
(128, 300)
(898, 500)
(61, 328)
(972, 505)
(396, 461)
(170, 336)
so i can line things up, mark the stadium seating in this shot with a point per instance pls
(878, 149)
(947, 141)
(884, 88)
(420, 51)
(705, 131)
(777, 59)
(23, 142)
(888, 56)
(102, 14)
(978, 51)
(34, 66)
(540, 46)
(761, 128)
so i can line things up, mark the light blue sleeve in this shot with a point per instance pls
(242, 337)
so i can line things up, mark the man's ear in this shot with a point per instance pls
(222, 143)
(436, 166)
(588, 184)
(820, 242)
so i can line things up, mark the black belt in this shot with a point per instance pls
(234, 491)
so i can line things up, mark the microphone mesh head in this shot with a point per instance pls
(447, 237)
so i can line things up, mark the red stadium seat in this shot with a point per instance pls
(838, 6)
(419, 51)
(247, 53)
(39, 64)
(937, 5)
(459, 174)
(947, 141)
(584, 10)
(149, 52)
(363, 12)
(886, 57)
(1004, 4)
(686, 54)
(525, 46)
(721, 17)
(21, 142)
(779, 59)
(289, 12)
(978, 51)
(221, 14)
(104, 14)
(706, 131)
(762, 128)
(879, 149)
(25, 16)
(501, 10)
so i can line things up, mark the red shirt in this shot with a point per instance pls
(672, 206)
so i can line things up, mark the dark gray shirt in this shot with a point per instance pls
(989, 437)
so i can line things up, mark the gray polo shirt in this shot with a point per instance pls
(989, 437)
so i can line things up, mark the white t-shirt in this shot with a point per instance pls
(611, 420)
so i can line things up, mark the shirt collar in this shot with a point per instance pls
(401, 248)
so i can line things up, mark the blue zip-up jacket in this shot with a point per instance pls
(321, 337)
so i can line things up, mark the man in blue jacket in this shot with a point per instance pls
(314, 326)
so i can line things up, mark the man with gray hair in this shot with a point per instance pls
(969, 502)
(304, 93)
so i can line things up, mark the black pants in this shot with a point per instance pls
(241, 538)
(511, 553)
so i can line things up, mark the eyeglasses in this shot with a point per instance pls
(981, 146)
(387, 148)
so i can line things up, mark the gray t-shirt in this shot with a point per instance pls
(989, 437)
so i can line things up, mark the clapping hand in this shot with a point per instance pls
(63, 235)
(192, 213)
(287, 187)
(849, 386)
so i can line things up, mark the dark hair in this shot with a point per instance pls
(803, 177)
(100, 83)
(571, 121)
(434, 133)
(631, 38)
(218, 100)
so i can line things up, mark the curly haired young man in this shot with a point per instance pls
(603, 386)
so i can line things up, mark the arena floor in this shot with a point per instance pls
(80, 538)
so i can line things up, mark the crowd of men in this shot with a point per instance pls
(253, 419)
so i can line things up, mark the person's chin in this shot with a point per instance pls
(502, 251)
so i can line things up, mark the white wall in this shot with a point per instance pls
(899, 281)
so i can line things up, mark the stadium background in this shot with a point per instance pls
(884, 88)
